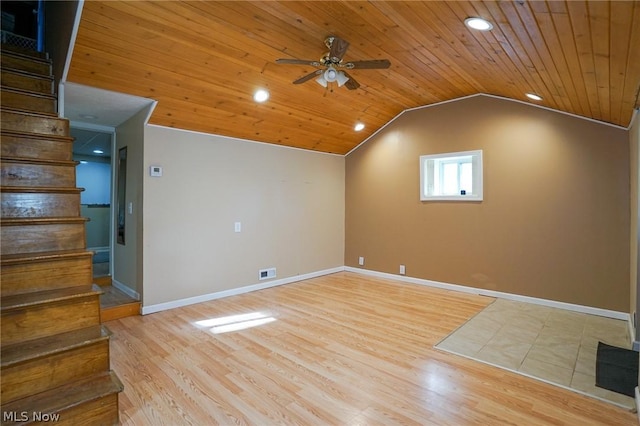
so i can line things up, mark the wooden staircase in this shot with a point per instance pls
(54, 350)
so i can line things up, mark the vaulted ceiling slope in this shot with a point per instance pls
(203, 60)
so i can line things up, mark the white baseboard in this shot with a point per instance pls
(235, 291)
(497, 294)
(125, 289)
(98, 249)
(635, 345)
(446, 286)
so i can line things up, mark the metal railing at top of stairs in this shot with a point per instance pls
(18, 40)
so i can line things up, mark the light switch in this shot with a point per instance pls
(237, 226)
(130, 207)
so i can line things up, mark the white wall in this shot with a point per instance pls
(290, 203)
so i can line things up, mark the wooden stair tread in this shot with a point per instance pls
(17, 221)
(46, 346)
(68, 396)
(114, 297)
(29, 112)
(41, 162)
(28, 92)
(8, 49)
(31, 135)
(17, 258)
(26, 73)
(24, 300)
(41, 189)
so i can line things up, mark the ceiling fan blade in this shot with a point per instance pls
(351, 84)
(307, 77)
(298, 62)
(368, 65)
(338, 49)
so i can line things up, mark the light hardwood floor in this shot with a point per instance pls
(342, 349)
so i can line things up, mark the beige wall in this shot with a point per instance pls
(554, 223)
(290, 204)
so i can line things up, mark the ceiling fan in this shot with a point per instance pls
(333, 67)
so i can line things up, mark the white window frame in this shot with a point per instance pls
(432, 164)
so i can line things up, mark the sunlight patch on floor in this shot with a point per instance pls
(231, 323)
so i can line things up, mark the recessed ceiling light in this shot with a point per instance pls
(478, 24)
(534, 96)
(88, 116)
(98, 151)
(358, 127)
(260, 95)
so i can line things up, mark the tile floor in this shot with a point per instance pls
(555, 345)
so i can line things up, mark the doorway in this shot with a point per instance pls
(93, 149)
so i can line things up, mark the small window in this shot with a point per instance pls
(455, 176)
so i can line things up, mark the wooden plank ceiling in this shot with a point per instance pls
(202, 61)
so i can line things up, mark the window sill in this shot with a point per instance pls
(452, 198)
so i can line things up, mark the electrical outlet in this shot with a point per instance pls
(361, 261)
(402, 270)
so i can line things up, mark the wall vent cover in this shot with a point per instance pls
(266, 274)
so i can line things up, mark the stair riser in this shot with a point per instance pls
(103, 411)
(28, 102)
(40, 205)
(43, 125)
(25, 64)
(41, 238)
(36, 148)
(121, 311)
(46, 275)
(19, 325)
(27, 82)
(38, 175)
(52, 371)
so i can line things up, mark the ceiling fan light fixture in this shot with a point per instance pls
(331, 74)
(478, 24)
(341, 78)
(321, 81)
